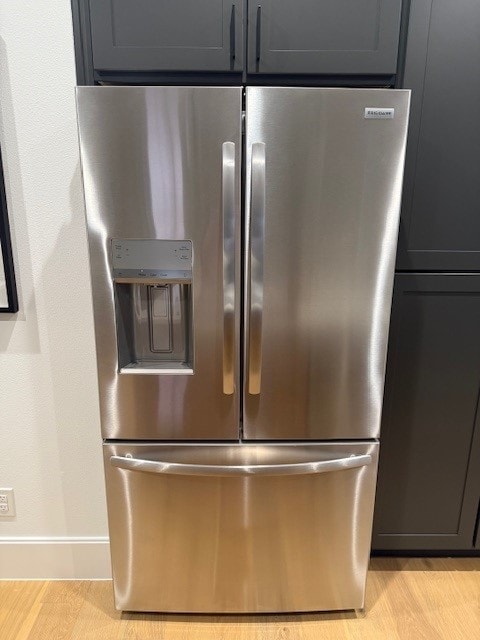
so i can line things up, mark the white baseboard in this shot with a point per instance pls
(55, 558)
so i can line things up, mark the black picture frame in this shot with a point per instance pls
(6, 245)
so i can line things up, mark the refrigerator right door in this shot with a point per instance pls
(324, 180)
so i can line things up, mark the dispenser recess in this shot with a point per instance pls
(153, 306)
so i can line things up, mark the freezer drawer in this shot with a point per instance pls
(240, 528)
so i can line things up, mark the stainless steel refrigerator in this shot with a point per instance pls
(242, 247)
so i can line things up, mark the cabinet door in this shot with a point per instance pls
(440, 226)
(167, 35)
(327, 37)
(428, 484)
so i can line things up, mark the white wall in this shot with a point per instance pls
(50, 446)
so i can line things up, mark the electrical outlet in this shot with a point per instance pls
(7, 503)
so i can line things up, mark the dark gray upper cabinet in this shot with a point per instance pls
(167, 35)
(293, 40)
(440, 224)
(429, 475)
(323, 36)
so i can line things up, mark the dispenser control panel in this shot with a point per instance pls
(152, 259)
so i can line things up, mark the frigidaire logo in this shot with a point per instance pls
(379, 112)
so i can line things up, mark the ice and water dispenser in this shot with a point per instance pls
(153, 305)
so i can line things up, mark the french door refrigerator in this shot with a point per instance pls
(242, 246)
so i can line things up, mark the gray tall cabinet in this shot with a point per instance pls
(440, 227)
(429, 476)
(429, 479)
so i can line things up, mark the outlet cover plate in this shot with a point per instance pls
(6, 498)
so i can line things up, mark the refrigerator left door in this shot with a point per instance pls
(161, 171)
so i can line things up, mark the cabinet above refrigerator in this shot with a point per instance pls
(328, 43)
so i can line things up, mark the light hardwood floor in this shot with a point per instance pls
(410, 599)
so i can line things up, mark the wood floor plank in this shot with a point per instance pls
(19, 605)
(407, 599)
(61, 604)
(98, 619)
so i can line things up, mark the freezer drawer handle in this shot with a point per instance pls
(228, 209)
(300, 468)
(257, 239)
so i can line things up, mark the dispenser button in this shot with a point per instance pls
(159, 302)
(160, 319)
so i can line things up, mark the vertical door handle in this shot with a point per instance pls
(257, 239)
(232, 37)
(258, 37)
(228, 215)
